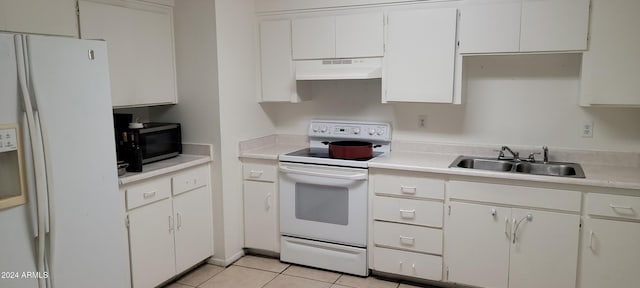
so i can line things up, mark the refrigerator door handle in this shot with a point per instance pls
(37, 152)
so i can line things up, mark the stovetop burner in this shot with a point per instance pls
(324, 153)
(322, 131)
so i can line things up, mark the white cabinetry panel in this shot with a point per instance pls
(140, 42)
(610, 254)
(420, 55)
(38, 16)
(277, 69)
(313, 38)
(611, 66)
(151, 244)
(193, 227)
(554, 25)
(359, 35)
(490, 26)
(261, 230)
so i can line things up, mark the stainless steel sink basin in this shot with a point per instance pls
(551, 169)
(484, 164)
(561, 169)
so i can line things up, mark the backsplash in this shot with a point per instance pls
(509, 100)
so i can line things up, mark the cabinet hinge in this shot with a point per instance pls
(447, 277)
(78, 8)
(126, 221)
(449, 210)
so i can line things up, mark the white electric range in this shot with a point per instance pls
(323, 200)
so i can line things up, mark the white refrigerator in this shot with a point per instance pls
(69, 231)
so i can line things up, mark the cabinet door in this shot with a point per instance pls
(554, 25)
(314, 38)
(476, 244)
(611, 67)
(545, 251)
(500, 34)
(610, 254)
(192, 211)
(359, 35)
(420, 56)
(151, 244)
(261, 229)
(141, 51)
(277, 69)
(38, 16)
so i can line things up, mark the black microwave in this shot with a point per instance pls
(158, 141)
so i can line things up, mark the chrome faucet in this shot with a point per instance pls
(516, 155)
(545, 152)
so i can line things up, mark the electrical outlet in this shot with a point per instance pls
(587, 129)
(422, 121)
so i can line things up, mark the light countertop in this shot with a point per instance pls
(596, 175)
(180, 162)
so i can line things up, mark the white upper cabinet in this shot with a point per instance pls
(38, 16)
(140, 44)
(611, 67)
(344, 36)
(508, 26)
(554, 25)
(277, 71)
(420, 56)
(359, 35)
(501, 34)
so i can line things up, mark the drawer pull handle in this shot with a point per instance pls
(408, 189)
(407, 240)
(407, 214)
(255, 173)
(614, 207)
(413, 266)
(147, 195)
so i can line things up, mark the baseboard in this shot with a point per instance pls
(226, 261)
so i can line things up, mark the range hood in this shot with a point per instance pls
(336, 69)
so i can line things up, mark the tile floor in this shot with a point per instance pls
(260, 272)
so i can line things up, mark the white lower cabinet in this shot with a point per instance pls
(261, 222)
(490, 245)
(151, 244)
(610, 250)
(407, 224)
(170, 224)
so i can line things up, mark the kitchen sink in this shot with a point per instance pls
(560, 169)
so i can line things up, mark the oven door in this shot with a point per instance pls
(324, 203)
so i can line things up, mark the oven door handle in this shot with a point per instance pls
(354, 177)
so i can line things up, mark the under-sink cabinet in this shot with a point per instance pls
(169, 220)
(610, 237)
(261, 202)
(501, 236)
(406, 225)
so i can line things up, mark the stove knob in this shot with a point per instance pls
(356, 131)
(379, 132)
(323, 129)
(315, 128)
(372, 131)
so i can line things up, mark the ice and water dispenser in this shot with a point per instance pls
(12, 178)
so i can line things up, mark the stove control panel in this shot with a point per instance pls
(373, 131)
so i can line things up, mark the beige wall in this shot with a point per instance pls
(525, 100)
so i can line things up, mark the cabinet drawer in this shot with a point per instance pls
(410, 237)
(407, 263)
(428, 213)
(613, 205)
(415, 186)
(148, 191)
(190, 179)
(259, 172)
